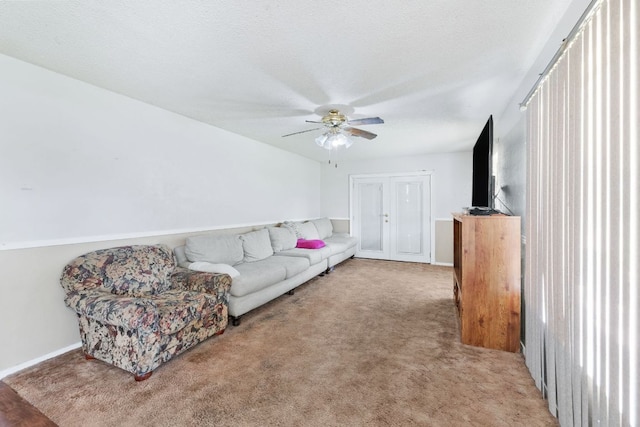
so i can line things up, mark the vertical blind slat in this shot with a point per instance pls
(633, 187)
(574, 58)
(614, 184)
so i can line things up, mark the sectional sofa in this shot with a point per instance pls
(269, 262)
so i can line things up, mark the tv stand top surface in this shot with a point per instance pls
(482, 211)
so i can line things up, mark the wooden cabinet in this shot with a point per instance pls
(486, 280)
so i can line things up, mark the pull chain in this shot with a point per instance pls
(335, 164)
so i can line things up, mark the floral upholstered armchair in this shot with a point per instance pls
(137, 309)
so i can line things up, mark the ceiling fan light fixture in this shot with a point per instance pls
(349, 143)
(322, 139)
(341, 140)
(334, 139)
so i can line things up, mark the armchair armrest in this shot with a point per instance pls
(127, 312)
(199, 281)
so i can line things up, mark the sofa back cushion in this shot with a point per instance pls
(294, 227)
(214, 249)
(303, 230)
(256, 245)
(324, 227)
(181, 256)
(282, 238)
(308, 231)
(137, 270)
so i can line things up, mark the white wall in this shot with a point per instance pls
(78, 161)
(450, 180)
(81, 164)
(510, 165)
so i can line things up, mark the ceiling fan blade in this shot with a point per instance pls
(302, 131)
(359, 132)
(366, 121)
(312, 121)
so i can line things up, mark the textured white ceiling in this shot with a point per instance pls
(433, 70)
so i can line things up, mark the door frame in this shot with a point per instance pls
(431, 225)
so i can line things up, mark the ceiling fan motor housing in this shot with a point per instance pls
(334, 118)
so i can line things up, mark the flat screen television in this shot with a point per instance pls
(483, 180)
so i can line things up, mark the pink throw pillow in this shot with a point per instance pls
(310, 244)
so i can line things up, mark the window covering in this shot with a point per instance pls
(582, 312)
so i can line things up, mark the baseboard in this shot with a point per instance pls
(444, 264)
(40, 359)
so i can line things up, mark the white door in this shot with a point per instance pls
(391, 217)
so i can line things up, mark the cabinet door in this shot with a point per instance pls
(488, 272)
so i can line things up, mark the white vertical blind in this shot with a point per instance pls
(581, 278)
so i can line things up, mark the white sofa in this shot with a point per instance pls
(266, 263)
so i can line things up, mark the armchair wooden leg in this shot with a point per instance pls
(89, 357)
(220, 332)
(142, 377)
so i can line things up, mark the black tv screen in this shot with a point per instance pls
(482, 185)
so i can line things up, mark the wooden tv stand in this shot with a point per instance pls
(486, 280)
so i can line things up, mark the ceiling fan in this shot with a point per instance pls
(339, 129)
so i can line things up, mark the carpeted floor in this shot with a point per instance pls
(373, 343)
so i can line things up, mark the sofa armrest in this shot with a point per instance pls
(199, 281)
(107, 308)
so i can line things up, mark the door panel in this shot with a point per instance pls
(410, 214)
(370, 205)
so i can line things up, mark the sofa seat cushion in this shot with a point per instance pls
(257, 275)
(313, 255)
(177, 309)
(292, 265)
(339, 243)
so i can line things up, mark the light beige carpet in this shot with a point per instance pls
(373, 343)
